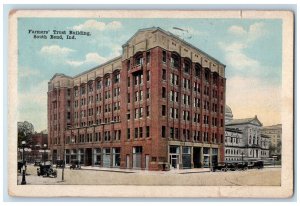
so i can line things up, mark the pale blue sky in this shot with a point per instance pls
(251, 50)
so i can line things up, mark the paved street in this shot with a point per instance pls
(196, 177)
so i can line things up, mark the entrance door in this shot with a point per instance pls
(196, 157)
(88, 157)
(137, 157)
(147, 162)
(106, 157)
(174, 161)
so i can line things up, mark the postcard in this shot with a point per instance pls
(129, 103)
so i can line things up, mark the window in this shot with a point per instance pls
(148, 56)
(107, 82)
(128, 97)
(172, 132)
(148, 93)
(117, 78)
(148, 75)
(141, 132)
(163, 131)
(136, 133)
(197, 70)
(82, 90)
(99, 84)
(163, 110)
(163, 92)
(164, 59)
(186, 67)
(175, 61)
(147, 111)
(128, 81)
(128, 133)
(164, 74)
(147, 131)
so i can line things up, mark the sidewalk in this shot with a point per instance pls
(172, 171)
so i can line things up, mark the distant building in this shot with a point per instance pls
(243, 139)
(275, 133)
(38, 141)
(234, 146)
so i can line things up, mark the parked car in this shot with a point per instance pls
(221, 166)
(37, 162)
(256, 165)
(46, 170)
(60, 163)
(75, 164)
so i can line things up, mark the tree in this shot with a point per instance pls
(25, 132)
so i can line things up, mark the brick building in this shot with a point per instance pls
(162, 101)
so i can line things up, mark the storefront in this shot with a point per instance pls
(106, 157)
(174, 152)
(137, 157)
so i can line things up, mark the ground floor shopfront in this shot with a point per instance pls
(177, 156)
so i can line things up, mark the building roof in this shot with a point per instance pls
(174, 36)
(59, 74)
(101, 65)
(236, 130)
(275, 127)
(244, 121)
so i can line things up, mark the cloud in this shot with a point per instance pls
(252, 96)
(236, 58)
(32, 105)
(89, 58)
(254, 32)
(56, 50)
(28, 72)
(98, 25)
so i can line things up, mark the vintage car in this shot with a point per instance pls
(60, 163)
(75, 164)
(37, 162)
(256, 165)
(46, 170)
(221, 166)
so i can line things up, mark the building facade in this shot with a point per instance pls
(275, 133)
(160, 103)
(243, 139)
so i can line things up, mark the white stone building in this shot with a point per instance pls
(244, 140)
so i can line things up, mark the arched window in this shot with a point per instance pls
(107, 81)
(207, 74)
(175, 61)
(98, 83)
(215, 78)
(116, 77)
(197, 70)
(186, 66)
(138, 60)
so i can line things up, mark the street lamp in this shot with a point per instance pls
(45, 147)
(23, 158)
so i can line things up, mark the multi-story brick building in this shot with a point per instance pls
(161, 102)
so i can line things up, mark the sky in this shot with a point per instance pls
(251, 49)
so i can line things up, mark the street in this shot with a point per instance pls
(193, 177)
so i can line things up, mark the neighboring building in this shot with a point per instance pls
(234, 145)
(161, 102)
(38, 142)
(244, 140)
(275, 133)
